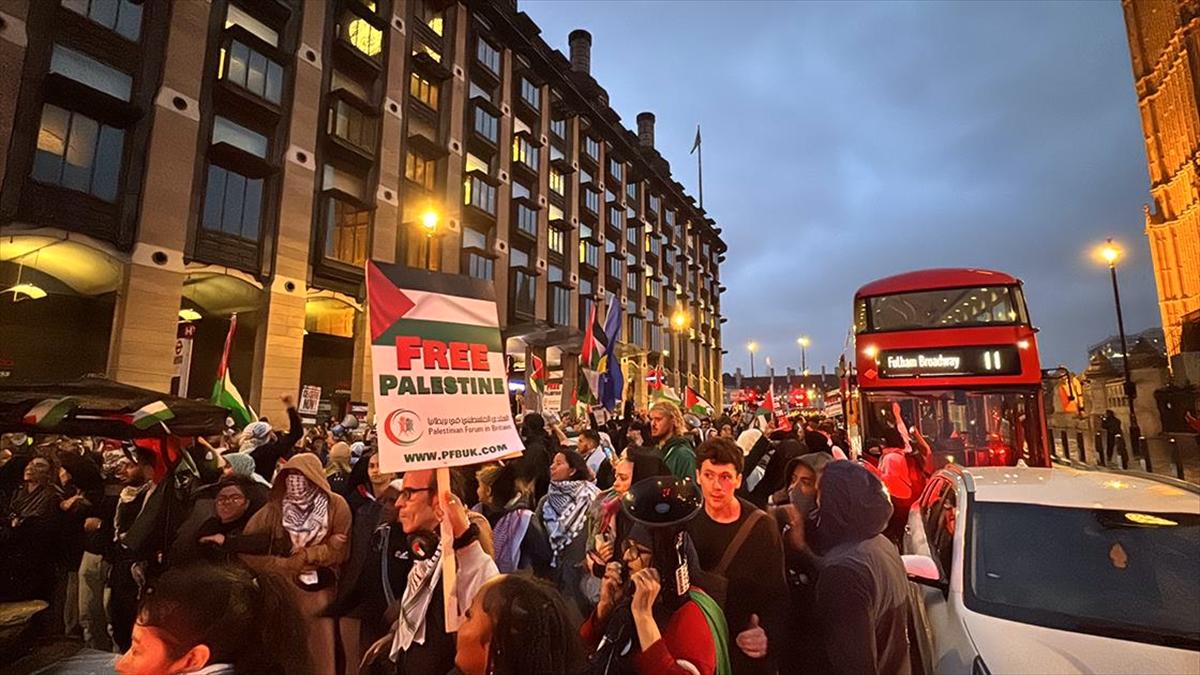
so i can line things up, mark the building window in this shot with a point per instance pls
(478, 266)
(556, 240)
(631, 236)
(591, 201)
(361, 34)
(346, 228)
(78, 153)
(557, 184)
(252, 71)
(636, 330)
(591, 147)
(423, 90)
(614, 264)
(559, 128)
(88, 71)
(421, 250)
(631, 279)
(531, 94)
(420, 170)
(486, 125)
(655, 202)
(235, 16)
(122, 16)
(433, 18)
(420, 47)
(232, 203)
(614, 218)
(232, 133)
(617, 169)
(480, 194)
(631, 192)
(560, 305)
(351, 125)
(524, 290)
(488, 55)
(527, 220)
(589, 253)
(525, 152)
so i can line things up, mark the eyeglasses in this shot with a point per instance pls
(407, 493)
(230, 499)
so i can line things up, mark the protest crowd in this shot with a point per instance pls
(652, 542)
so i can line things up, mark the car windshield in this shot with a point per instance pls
(972, 428)
(944, 308)
(1125, 575)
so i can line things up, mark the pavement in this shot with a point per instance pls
(1162, 452)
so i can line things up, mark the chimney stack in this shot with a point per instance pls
(581, 51)
(645, 122)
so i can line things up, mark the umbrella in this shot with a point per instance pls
(97, 406)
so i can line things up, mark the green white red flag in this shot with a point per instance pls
(224, 393)
(694, 403)
(47, 413)
(537, 375)
(592, 361)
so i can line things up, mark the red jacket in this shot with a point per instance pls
(686, 637)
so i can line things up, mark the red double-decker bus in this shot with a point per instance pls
(952, 353)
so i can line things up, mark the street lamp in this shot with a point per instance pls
(430, 219)
(679, 323)
(1110, 252)
(803, 341)
(752, 347)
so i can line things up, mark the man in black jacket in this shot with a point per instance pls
(861, 592)
(274, 447)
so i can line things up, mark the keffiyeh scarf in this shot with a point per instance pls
(414, 604)
(305, 511)
(565, 512)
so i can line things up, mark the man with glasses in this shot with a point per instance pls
(410, 558)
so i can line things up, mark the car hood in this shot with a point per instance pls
(1013, 647)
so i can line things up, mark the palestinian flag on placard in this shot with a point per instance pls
(768, 404)
(694, 403)
(225, 394)
(46, 414)
(537, 375)
(592, 361)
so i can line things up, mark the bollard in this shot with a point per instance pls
(1101, 451)
(1082, 450)
(1122, 452)
(1066, 446)
(1144, 448)
(1176, 458)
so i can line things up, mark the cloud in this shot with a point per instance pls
(849, 141)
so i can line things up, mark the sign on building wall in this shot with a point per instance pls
(185, 336)
(441, 391)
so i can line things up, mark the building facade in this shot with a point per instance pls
(181, 160)
(1164, 42)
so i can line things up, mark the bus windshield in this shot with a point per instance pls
(942, 308)
(972, 428)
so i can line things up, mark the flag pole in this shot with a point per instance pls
(700, 167)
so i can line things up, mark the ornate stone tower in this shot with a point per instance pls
(1164, 42)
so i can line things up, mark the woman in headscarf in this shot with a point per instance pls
(605, 526)
(563, 514)
(302, 535)
(518, 540)
(232, 509)
(337, 469)
(28, 536)
(241, 464)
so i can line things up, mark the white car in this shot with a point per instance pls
(1023, 570)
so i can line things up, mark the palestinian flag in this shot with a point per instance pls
(46, 414)
(150, 414)
(537, 376)
(592, 361)
(768, 405)
(694, 403)
(666, 394)
(225, 394)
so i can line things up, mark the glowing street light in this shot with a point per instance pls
(752, 347)
(429, 221)
(804, 342)
(1110, 253)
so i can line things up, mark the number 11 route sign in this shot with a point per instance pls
(437, 356)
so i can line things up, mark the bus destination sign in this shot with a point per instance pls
(950, 362)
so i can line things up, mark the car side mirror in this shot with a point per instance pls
(921, 569)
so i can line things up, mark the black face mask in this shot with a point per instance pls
(805, 504)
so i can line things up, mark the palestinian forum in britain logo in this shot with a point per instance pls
(404, 427)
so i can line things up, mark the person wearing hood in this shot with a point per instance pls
(268, 448)
(337, 468)
(669, 435)
(861, 595)
(302, 535)
(535, 462)
(232, 507)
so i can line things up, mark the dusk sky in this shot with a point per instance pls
(844, 142)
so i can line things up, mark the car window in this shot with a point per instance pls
(931, 507)
(942, 542)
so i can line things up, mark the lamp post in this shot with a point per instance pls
(429, 223)
(752, 347)
(1111, 253)
(679, 323)
(803, 341)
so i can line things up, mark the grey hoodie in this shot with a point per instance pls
(862, 589)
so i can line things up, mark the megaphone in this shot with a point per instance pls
(662, 501)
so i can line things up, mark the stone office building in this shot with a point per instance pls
(169, 160)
